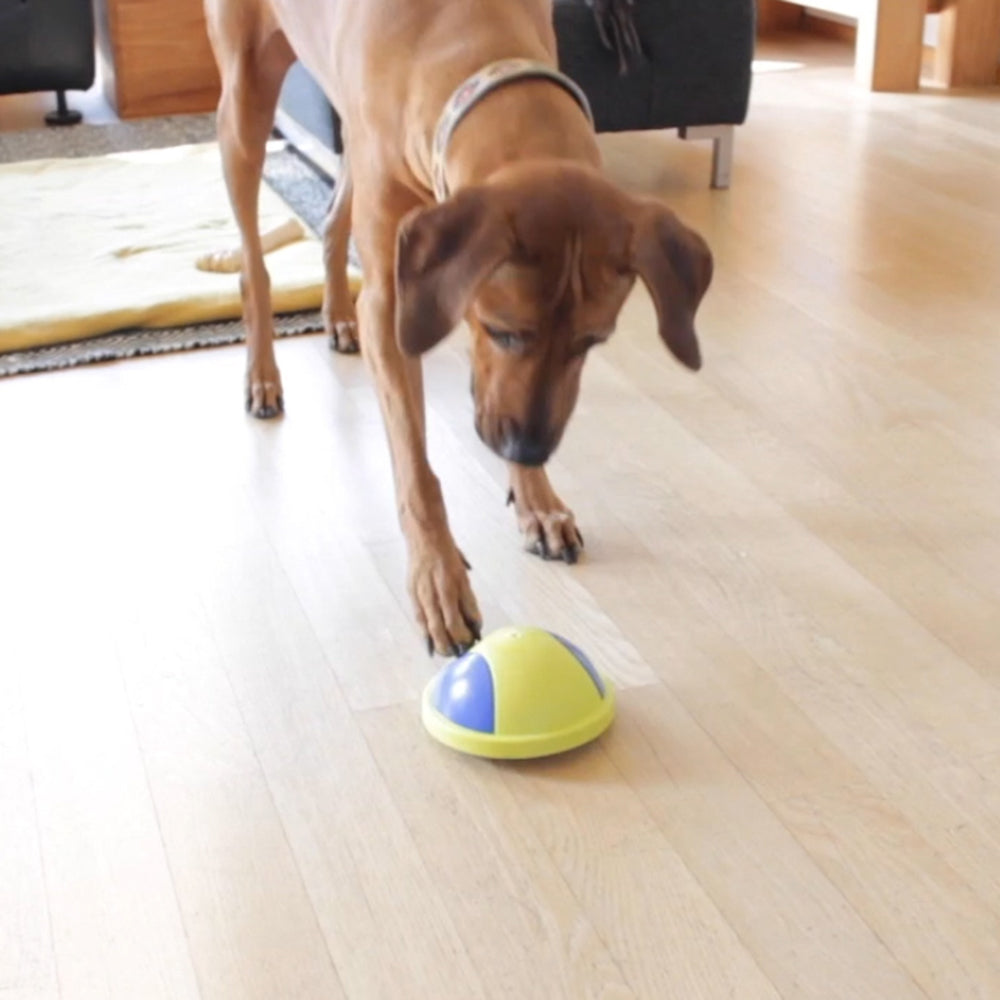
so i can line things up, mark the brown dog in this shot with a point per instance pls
(533, 247)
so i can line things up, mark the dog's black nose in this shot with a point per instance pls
(525, 448)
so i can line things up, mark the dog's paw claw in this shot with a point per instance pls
(475, 627)
(553, 538)
(543, 550)
(267, 412)
(344, 345)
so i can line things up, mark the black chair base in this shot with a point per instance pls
(63, 115)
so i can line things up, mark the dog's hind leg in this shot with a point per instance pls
(253, 59)
(339, 317)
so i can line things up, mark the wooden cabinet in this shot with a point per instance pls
(156, 59)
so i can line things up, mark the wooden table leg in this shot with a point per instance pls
(968, 43)
(890, 44)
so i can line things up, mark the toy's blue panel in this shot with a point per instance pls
(465, 693)
(585, 663)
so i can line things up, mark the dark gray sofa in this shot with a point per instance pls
(694, 77)
(47, 45)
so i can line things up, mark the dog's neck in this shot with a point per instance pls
(472, 91)
(525, 119)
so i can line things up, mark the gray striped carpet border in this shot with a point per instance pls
(142, 343)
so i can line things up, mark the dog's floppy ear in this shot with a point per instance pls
(675, 264)
(443, 254)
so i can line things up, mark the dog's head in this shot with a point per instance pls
(539, 261)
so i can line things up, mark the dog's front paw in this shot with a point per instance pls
(551, 534)
(442, 596)
(547, 525)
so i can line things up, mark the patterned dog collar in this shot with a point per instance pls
(473, 90)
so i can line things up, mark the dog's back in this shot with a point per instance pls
(402, 49)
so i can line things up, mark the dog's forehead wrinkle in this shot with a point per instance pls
(564, 285)
(561, 291)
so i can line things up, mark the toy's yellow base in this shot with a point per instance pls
(531, 694)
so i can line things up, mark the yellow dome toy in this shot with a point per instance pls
(518, 693)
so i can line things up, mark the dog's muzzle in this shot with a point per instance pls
(513, 443)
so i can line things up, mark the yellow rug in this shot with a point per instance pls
(97, 244)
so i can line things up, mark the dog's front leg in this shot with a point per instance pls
(446, 608)
(547, 524)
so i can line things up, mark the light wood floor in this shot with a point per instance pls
(213, 778)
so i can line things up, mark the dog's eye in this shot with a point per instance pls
(504, 339)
